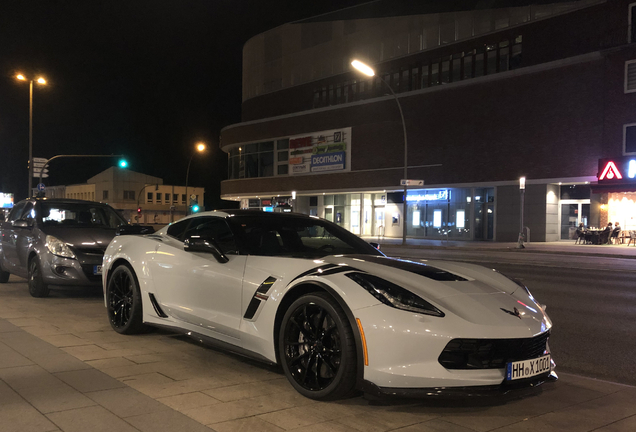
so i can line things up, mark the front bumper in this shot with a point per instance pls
(68, 271)
(519, 388)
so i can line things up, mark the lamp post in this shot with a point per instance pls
(367, 70)
(522, 190)
(200, 147)
(40, 81)
(122, 163)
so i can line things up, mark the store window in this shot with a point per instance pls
(629, 139)
(149, 197)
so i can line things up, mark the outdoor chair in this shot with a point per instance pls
(632, 238)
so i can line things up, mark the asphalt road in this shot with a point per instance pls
(591, 301)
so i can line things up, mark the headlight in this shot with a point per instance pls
(394, 295)
(58, 247)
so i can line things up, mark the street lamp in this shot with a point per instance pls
(522, 190)
(199, 147)
(40, 81)
(367, 70)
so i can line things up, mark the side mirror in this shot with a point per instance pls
(21, 224)
(197, 244)
(375, 245)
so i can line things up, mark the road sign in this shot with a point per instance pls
(404, 182)
(37, 171)
(38, 164)
(41, 187)
(43, 175)
(43, 160)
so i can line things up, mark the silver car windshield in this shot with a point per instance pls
(79, 214)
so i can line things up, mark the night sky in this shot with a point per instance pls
(142, 78)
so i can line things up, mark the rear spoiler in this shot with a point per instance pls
(134, 230)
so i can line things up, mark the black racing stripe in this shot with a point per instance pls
(419, 268)
(314, 270)
(340, 269)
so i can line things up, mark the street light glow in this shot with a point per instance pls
(21, 77)
(200, 147)
(41, 80)
(363, 68)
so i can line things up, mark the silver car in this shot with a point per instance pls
(56, 242)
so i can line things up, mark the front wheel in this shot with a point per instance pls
(37, 287)
(317, 348)
(123, 301)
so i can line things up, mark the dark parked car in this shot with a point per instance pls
(56, 242)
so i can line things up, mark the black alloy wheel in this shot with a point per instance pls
(123, 300)
(317, 348)
(37, 287)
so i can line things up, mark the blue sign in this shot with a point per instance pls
(441, 195)
(41, 187)
(328, 162)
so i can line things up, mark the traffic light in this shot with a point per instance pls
(194, 204)
(138, 211)
(123, 163)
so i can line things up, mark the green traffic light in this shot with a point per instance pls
(123, 163)
(195, 209)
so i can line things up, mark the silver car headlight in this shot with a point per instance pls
(393, 295)
(58, 247)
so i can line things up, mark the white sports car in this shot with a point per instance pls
(331, 309)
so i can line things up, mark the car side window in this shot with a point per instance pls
(28, 212)
(177, 229)
(213, 228)
(16, 212)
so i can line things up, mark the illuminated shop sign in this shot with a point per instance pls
(320, 152)
(6, 200)
(620, 170)
(441, 195)
(328, 161)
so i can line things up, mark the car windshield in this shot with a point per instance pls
(297, 237)
(79, 214)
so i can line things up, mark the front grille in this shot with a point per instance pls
(491, 353)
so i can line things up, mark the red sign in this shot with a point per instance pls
(300, 142)
(610, 172)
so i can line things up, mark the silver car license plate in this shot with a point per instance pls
(97, 270)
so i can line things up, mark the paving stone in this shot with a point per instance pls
(166, 421)
(89, 380)
(126, 402)
(188, 401)
(22, 417)
(60, 397)
(93, 419)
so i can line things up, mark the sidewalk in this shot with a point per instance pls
(559, 247)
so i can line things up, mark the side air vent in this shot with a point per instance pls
(156, 306)
(260, 296)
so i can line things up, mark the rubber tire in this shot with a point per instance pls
(135, 323)
(344, 383)
(4, 276)
(37, 287)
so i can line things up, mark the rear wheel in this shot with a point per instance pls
(123, 301)
(317, 348)
(37, 287)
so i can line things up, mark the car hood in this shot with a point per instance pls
(82, 237)
(475, 293)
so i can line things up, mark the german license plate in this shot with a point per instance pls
(527, 368)
(97, 270)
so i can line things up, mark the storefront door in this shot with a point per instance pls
(572, 214)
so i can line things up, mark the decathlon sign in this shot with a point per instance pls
(620, 170)
(328, 162)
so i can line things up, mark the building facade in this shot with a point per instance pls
(546, 92)
(140, 198)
